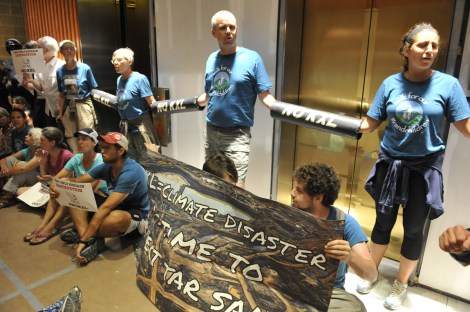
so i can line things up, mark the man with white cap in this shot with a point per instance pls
(124, 212)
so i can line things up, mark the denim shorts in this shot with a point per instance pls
(233, 142)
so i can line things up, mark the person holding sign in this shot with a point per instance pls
(87, 158)
(75, 81)
(52, 157)
(21, 167)
(78, 165)
(408, 171)
(316, 188)
(235, 77)
(124, 212)
(46, 108)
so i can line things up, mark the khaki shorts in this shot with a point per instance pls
(233, 142)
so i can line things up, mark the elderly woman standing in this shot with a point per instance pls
(75, 82)
(134, 98)
(409, 169)
(20, 168)
(46, 108)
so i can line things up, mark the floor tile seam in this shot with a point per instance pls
(20, 286)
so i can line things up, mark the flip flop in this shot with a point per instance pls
(39, 239)
(30, 236)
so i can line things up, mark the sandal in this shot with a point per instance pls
(7, 201)
(39, 239)
(30, 236)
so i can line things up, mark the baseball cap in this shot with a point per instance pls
(61, 44)
(12, 44)
(89, 133)
(115, 138)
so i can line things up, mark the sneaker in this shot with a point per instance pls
(71, 302)
(396, 296)
(7, 201)
(70, 236)
(364, 287)
(93, 249)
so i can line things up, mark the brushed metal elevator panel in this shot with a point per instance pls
(346, 50)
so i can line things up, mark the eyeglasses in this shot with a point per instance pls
(118, 60)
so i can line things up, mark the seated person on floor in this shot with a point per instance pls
(52, 158)
(20, 131)
(315, 190)
(21, 168)
(124, 212)
(5, 133)
(20, 102)
(222, 166)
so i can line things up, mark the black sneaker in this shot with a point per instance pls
(70, 236)
(95, 246)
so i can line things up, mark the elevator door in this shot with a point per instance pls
(348, 48)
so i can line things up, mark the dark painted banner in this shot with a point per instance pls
(317, 119)
(212, 246)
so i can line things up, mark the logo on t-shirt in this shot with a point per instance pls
(121, 102)
(221, 82)
(409, 114)
(71, 87)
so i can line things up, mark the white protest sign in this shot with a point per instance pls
(76, 195)
(36, 196)
(28, 61)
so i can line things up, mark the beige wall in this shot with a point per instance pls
(11, 24)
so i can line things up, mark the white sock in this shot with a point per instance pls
(134, 224)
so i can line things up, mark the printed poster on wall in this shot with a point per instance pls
(212, 246)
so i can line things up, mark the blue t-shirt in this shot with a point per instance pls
(26, 152)
(131, 94)
(354, 234)
(76, 83)
(132, 180)
(17, 138)
(233, 82)
(416, 111)
(75, 164)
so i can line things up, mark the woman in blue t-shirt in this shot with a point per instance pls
(408, 170)
(87, 158)
(134, 98)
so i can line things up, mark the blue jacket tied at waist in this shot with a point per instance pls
(430, 167)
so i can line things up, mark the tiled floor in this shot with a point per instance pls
(418, 298)
(34, 276)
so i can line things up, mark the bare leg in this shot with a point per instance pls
(50, 212)
(407, 267)
(80, 219)
(115, 223)
(377, 252)
(58, 216)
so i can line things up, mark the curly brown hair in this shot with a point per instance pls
(319, 179)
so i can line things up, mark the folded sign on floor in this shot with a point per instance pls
(214, 247)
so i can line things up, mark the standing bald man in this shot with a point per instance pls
(235, 76)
